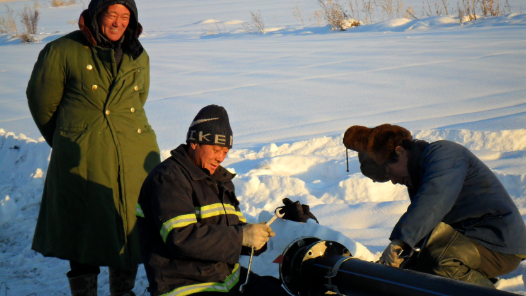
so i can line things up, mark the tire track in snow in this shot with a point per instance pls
(309, 54)
(509, 110)
(365, 45)
(347, 73)
(372, 57)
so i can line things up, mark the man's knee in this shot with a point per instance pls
(449, 253)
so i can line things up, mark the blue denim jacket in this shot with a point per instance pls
(460, 190)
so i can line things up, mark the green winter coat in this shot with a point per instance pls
(92, 116)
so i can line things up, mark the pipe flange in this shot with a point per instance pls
(333, 272)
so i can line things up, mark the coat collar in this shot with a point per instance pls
(196, 173)
(84, 28)
(413, 165)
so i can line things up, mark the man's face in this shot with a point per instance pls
(207, 156)
(114, 21)
(398, 172)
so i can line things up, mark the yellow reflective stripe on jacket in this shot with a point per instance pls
(218, 209)
(179, 221)
(138, 211)
(209, 211)
(231, 210)
(224, 287)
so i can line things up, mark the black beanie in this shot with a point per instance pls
(211, 126)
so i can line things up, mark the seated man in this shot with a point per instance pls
(460, 214)
(190, 227)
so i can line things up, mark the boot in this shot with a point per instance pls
(84, 285)
(122, 281)
(478, 278)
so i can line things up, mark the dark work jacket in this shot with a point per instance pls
(189, 227)
(456, 188)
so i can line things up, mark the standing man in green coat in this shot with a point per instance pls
(86, 95)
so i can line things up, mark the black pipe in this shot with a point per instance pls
(357, 277)
(312, 267)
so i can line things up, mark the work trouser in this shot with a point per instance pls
(448, 253)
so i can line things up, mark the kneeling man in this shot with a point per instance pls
(190, 227)
(460, 214)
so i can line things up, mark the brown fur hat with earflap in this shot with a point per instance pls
(374, 146)
(378, 143)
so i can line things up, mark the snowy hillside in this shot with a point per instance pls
(290, 94)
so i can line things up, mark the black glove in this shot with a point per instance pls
(295, 211)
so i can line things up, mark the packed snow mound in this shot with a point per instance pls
(438, 22)
(23, 165)
(234, 22)
(288, 231)
(503, 141)
(394, 25)
(209, 21)
(315, 171)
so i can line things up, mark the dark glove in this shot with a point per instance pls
(390, 255)
(295, 211)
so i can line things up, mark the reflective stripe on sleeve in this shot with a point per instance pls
(209, 211)
(224, 287)
(231, 210)
(138, 211)
(218, 209)
(179, 221)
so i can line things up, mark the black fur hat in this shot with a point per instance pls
(211, 126)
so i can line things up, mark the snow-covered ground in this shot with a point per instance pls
(290, 94)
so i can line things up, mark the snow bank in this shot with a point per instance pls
(23, 164)
(288, 231)
(314, 171)
(436, 22)
(395, 25)
(506, 140)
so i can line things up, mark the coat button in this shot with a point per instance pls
(132, 110)
(139, 131)
(89, 67)
(107, 112)
(136, 88)
(86, 47)
(94, 87)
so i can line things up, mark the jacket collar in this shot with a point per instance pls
(196, 173)
(413, 165)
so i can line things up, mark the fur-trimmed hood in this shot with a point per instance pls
(89, 26)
